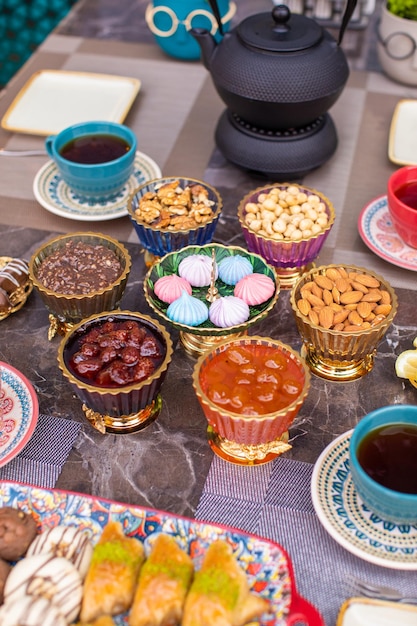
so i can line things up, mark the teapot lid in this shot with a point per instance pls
(280, 31)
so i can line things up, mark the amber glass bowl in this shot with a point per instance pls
(330, 351)
(122, 409)
(291, 258)
(159, 240)
(68, 309)
(250, 439)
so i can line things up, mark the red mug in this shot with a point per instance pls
(402, 203)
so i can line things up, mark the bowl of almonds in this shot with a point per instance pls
(287, 225)
(173, 212)
(342, 312)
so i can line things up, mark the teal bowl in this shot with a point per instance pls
(100, 181)
(390, 505)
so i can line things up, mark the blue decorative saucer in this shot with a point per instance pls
(349, 521)
(56, 197)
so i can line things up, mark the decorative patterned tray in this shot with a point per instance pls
(267, 566)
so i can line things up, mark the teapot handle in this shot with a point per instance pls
(350, 7)
(217, 15)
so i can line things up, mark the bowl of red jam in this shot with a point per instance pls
(78, 275)
(116, 363)
(250, 389)
(383, 463)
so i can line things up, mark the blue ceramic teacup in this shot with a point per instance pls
(389, 504)
(92, 179)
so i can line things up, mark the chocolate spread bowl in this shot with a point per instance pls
(112, 404)
(66, 309)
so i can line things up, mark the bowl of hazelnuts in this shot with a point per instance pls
(287, 225)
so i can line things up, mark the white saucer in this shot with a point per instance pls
(378, 233)
(348, 520)
(56, 197)
(19, 409)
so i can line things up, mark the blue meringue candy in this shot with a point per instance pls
(233, 268)
(187, 310)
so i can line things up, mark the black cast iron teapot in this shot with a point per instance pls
(276, 70)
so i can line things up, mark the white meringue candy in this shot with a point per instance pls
(228, 311)
(197, 269)
(188, 310)
(46, 576)
(233, 268)
(31, 611)
(70, 542)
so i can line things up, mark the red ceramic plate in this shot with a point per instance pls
(267, 565)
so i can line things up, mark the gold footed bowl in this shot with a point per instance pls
(65, 310)
(196, 340)
(116, 363)
(342, 312)
(250, 390)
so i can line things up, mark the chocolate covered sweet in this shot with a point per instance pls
(17, 531)
(14, 275)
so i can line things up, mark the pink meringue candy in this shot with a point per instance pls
(254, 288)
(228, 311)
(197, 269)
(169, 288)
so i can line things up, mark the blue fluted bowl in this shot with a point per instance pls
(161, 241)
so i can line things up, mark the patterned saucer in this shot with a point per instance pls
(18, 412)
(378, 233)
(349, 521)
(56, 197)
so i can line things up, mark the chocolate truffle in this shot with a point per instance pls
(17, 531)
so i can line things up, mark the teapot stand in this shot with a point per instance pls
(280, 155)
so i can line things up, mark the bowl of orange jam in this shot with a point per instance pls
(250, 389)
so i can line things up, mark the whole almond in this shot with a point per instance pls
(355, 319)
(342, 285)
(313, 317)
(350, 297)
(352, 328)
(333, 273)
(378, 319)
(336, 307)
(336, 295)
(326, 316)
(323, 282)
(364, 309)
(368, 281)
(340, 316)
(317, 290)
(303, 306)
(338, 326)
(307, 286)
(385, 297)
(343, 272)
(313, 299)
(359, 287)
(373, 295)
(383, 309)
(327, 297)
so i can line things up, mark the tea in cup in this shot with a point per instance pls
(95, 159)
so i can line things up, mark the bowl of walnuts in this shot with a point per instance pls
(173, 212)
